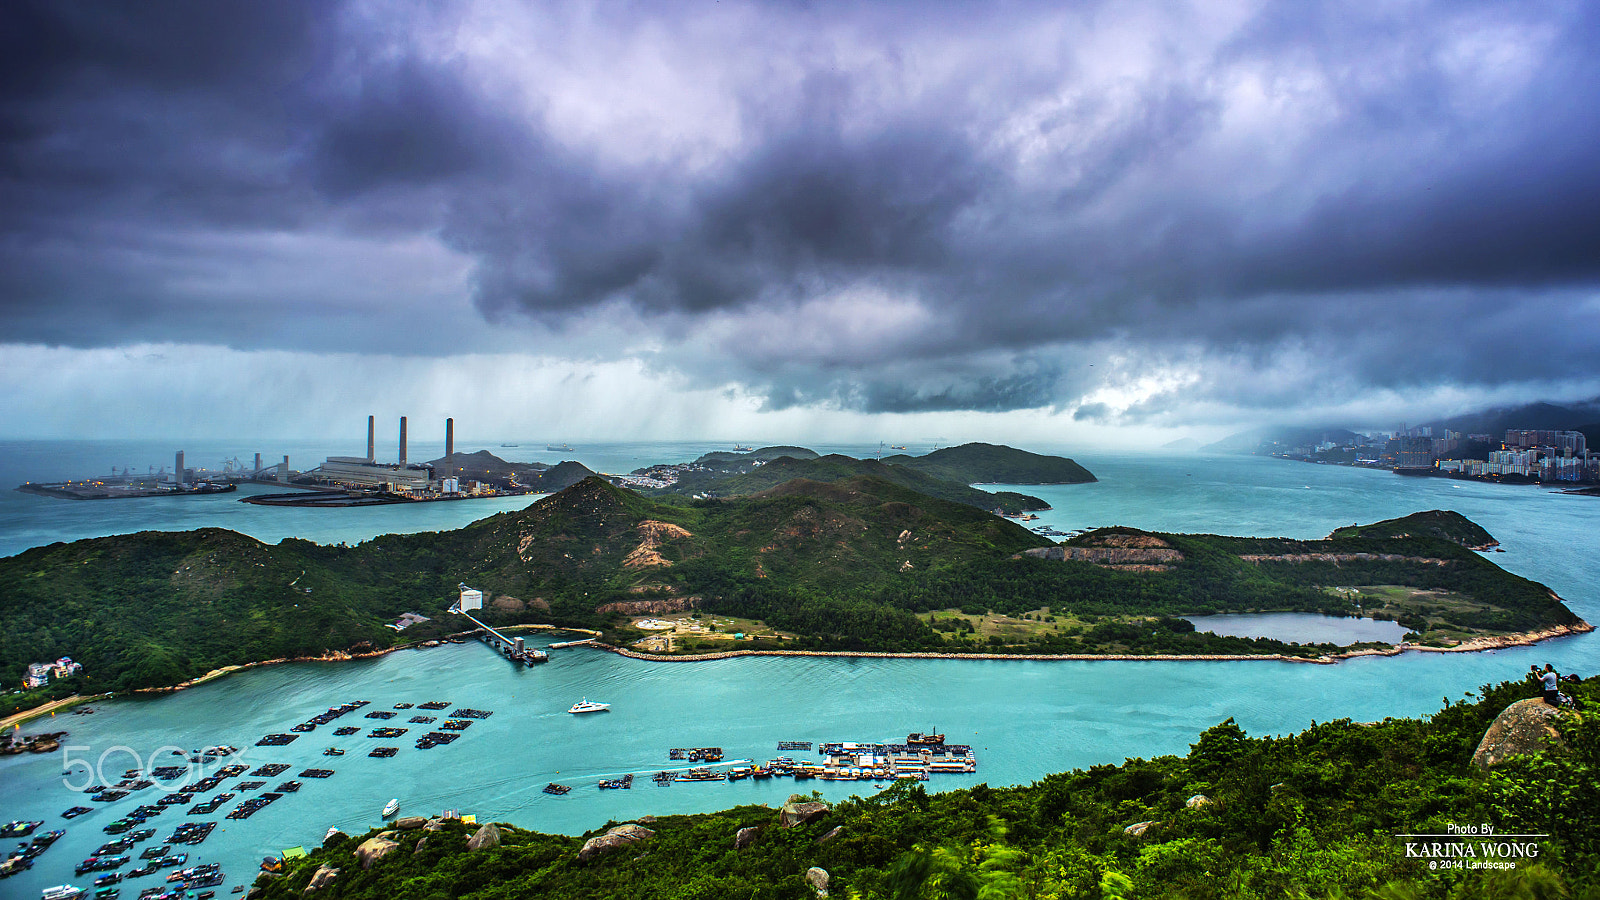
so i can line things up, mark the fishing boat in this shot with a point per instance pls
(391, 807)
(587, 706)
(332, 830)
(929, 739)
(61, 892)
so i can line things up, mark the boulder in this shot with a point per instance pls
(646, 820)
(422, 842)
(830, 834)
(800, 811)
(818, 879)
(410, 823)
(745, 837)
(1138, 829)
(1197, 801)
(487, 836)
(1524, 727)
(434, 825)
(375, 848)
(323, 877)
(620, 836)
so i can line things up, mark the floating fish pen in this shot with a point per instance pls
(455, 724)
(422, 720)
(402, 706)
(346, 731)
(108, 796)
(192, 833)
(434, 704)
(333, 751)
(382, 714)
(383, 752)
(167, 773)
(553, 788)
(277, 740)
(696, 754)
(315, 773)
(793, 745)
(465, 713)
(387, 732)
(701, 773)
(269, 770)
(254, 805)
(664, 779)
(435, 738)
(76, 811)
(231, 770)
(175, 799)
(250, 785)
(739, 774)
(210, 806)
(303, 727)
(288, 787)
(617, 784)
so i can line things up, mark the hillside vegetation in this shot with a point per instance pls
(994, 464)
(835, 467)
(1314, 814)
(859, 563)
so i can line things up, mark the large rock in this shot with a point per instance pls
(1138, 829)
(1524, 727)
(745, 837)
(487, 836)
(408, 823)
(818, 879)
(323, 877)
(1197, 801)
(620, 836)
(375, 848)
(831, 833)
(800, 811)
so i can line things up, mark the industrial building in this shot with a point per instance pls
(470, 599)
(397, 477)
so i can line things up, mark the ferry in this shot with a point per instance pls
(559, 448)
(586, 706)
(391, 807)
(740, 448)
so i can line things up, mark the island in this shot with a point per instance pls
(858, 565)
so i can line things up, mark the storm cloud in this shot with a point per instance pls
(1116, 212)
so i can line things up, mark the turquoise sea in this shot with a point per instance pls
(1024, 719)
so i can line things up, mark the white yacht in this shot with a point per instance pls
(586, 705)
(61, 892)
(390, 807)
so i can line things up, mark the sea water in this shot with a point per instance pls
(1024, 719)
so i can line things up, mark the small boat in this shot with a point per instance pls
(740, 448)
(332, 830)
(553, 788)
(925, 739)
(391, 807)
(333, 751)
(586, 706)
(559, 448)
(61, 892)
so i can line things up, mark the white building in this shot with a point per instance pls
(470, 599)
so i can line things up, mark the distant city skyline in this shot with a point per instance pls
(1098, 225)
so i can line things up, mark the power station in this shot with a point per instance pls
(401, 476)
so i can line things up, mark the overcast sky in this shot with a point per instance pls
(1073, 222)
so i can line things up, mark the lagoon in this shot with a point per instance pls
(1301, 628)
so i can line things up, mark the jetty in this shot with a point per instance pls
(512, 648)
(563, 644)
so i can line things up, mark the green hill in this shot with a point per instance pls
(995, 464)
(835, 467)
(855, 563)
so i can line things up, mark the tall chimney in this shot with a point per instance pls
(177, 475)
(283, 471)
(258, 464)
(449, 437)
(372, 448)
(402, 442)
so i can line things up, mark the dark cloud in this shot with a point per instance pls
(904, 208)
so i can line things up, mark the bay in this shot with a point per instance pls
(1024, 718)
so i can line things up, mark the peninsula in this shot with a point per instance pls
(854, 565)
